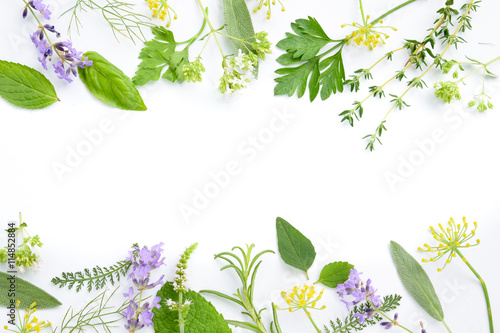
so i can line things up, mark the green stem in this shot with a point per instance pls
(312, 321)
(181, 320)
(445, 325)
(485, 291)
(212, 30)
(391, 11)
(387, 317)
(362, 12)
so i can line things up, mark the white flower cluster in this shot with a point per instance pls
(238, 72)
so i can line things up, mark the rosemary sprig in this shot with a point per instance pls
(95, 278)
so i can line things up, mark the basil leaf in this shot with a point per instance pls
(201, 316)
(295, 249)
(24, 292)
(416, 281)
(238, 24)
(335, 273)
(25, 87)
(109, 84)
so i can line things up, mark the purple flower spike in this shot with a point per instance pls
(388, 324)
(361, 292)
(41, 7)
(143, 262)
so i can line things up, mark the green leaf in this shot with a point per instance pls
(24, 292)
(335, 273)
(295, 249)
(109, 84)
(295, 79)
(25, 87)
(175, 71)
(155, 56)
(416, 281)
(201, 317)
(238, 24)
(332, 79)
(308, 40)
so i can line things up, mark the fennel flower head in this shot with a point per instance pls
(451, 238)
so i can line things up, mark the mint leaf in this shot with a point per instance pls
(308, 41)
(25, 87)
(238, 24)
(416, 281)
(295, 249)
(24, 292)
(201, 317)
(109, 84)
(335, 273)
(155, 56)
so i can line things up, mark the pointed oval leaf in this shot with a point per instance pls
(238, 24)
(109, 84)
(295, 249)
(335, 273)
(416, 281)
(25, 292)
(201, 316)
(25, 87)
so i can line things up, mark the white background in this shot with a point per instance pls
(314, 173)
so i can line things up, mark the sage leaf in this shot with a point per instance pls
(25, 87)
(295, 249)
(238, 24)
(109, 84)
(25, 292)
(335, 273)
(201, 316)
(416, 281)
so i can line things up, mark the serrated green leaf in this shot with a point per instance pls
(109, 84)
(416, 281)
(295, 249)
(25, 87)
(175, 71)
(238, 24)
(332, 79)
(201, 317)
(25, 292)
(295, 79)
(335, 273)
(155, 56)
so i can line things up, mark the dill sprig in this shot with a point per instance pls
(352, 324)
(95, 278)
(95, 315)
(118, 14)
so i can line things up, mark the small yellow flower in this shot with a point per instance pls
(451, 239)
(268, 3)
(302, 298)
(161, 10)
(366, 34)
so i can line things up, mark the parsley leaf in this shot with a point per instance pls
(303, 47)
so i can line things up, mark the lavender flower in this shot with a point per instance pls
(39, 6)
(389, 324)
(360, 291)
(143, 262)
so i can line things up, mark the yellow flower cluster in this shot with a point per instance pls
(302, 298)
(367, 35)
(162, 10)
(452, 238)
(28, 324)
(268, 3)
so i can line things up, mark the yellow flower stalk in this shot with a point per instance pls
(303, 298)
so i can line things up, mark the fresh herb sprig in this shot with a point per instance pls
(307, 66)
(246, 268)
(161, 58)
(95, 278)
(120, 16)
(419, 51)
